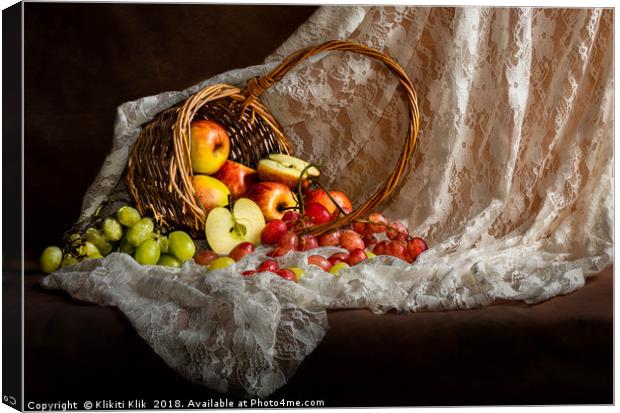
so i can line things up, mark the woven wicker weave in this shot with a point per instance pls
(159, 173)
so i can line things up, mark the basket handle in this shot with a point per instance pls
(256, 86)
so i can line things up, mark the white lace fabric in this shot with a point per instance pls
(511, 183)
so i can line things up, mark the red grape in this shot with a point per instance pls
(358, 227)
(319, 261)
(356, 256)
(279, 252)
(379, 248)
(378, 222)
(398, 249)
(397, 231)
(273, 231)
(317, 213)
(330, 239)
(241, 250)
(369, 240)
(416, 246)
(290, 217)
(205, 257)
(338, 257)
(287, 274)
(351, 240)
(289, 240)
(268, 265)
(308, 242)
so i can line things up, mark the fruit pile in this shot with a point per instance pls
(275, 204)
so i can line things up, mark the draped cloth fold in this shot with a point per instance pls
(511, 183)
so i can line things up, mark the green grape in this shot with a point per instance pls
(163, 243)
(95, 237)
(140, 232)
(87, 249)
(50, 259)
(126, 247)
(181, 245)
(128, 216)
(93, 256)
(112, 230)
(169, 261)
(69, 259)
(147, 253)
(75, 240)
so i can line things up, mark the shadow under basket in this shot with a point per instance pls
(159, 173)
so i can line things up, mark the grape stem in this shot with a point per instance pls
(367, 221)
(317, 183)
(300, 197)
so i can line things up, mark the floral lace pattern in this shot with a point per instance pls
(511, 183)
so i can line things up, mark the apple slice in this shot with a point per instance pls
(283, 168)
(225, 230)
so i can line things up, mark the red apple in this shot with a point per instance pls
(210, 146)
(237, 177)
(241, 250)
(320, 262)
(272, 198)
(211, 192)
(320, 196)
(343, 201)
(205, 257)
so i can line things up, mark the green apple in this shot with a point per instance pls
(225, 229)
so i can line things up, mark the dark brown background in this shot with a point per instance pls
(81, 62)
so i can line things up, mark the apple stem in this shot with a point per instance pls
(229, 206)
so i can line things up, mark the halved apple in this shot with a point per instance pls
(225, 230)
(283, 168)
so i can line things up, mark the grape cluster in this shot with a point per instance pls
(361, 240)
(126, 231)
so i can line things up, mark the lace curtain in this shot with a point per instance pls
(511, 183)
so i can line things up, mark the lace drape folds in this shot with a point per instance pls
(511, 183)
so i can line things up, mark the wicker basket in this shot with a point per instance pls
(159, 173)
